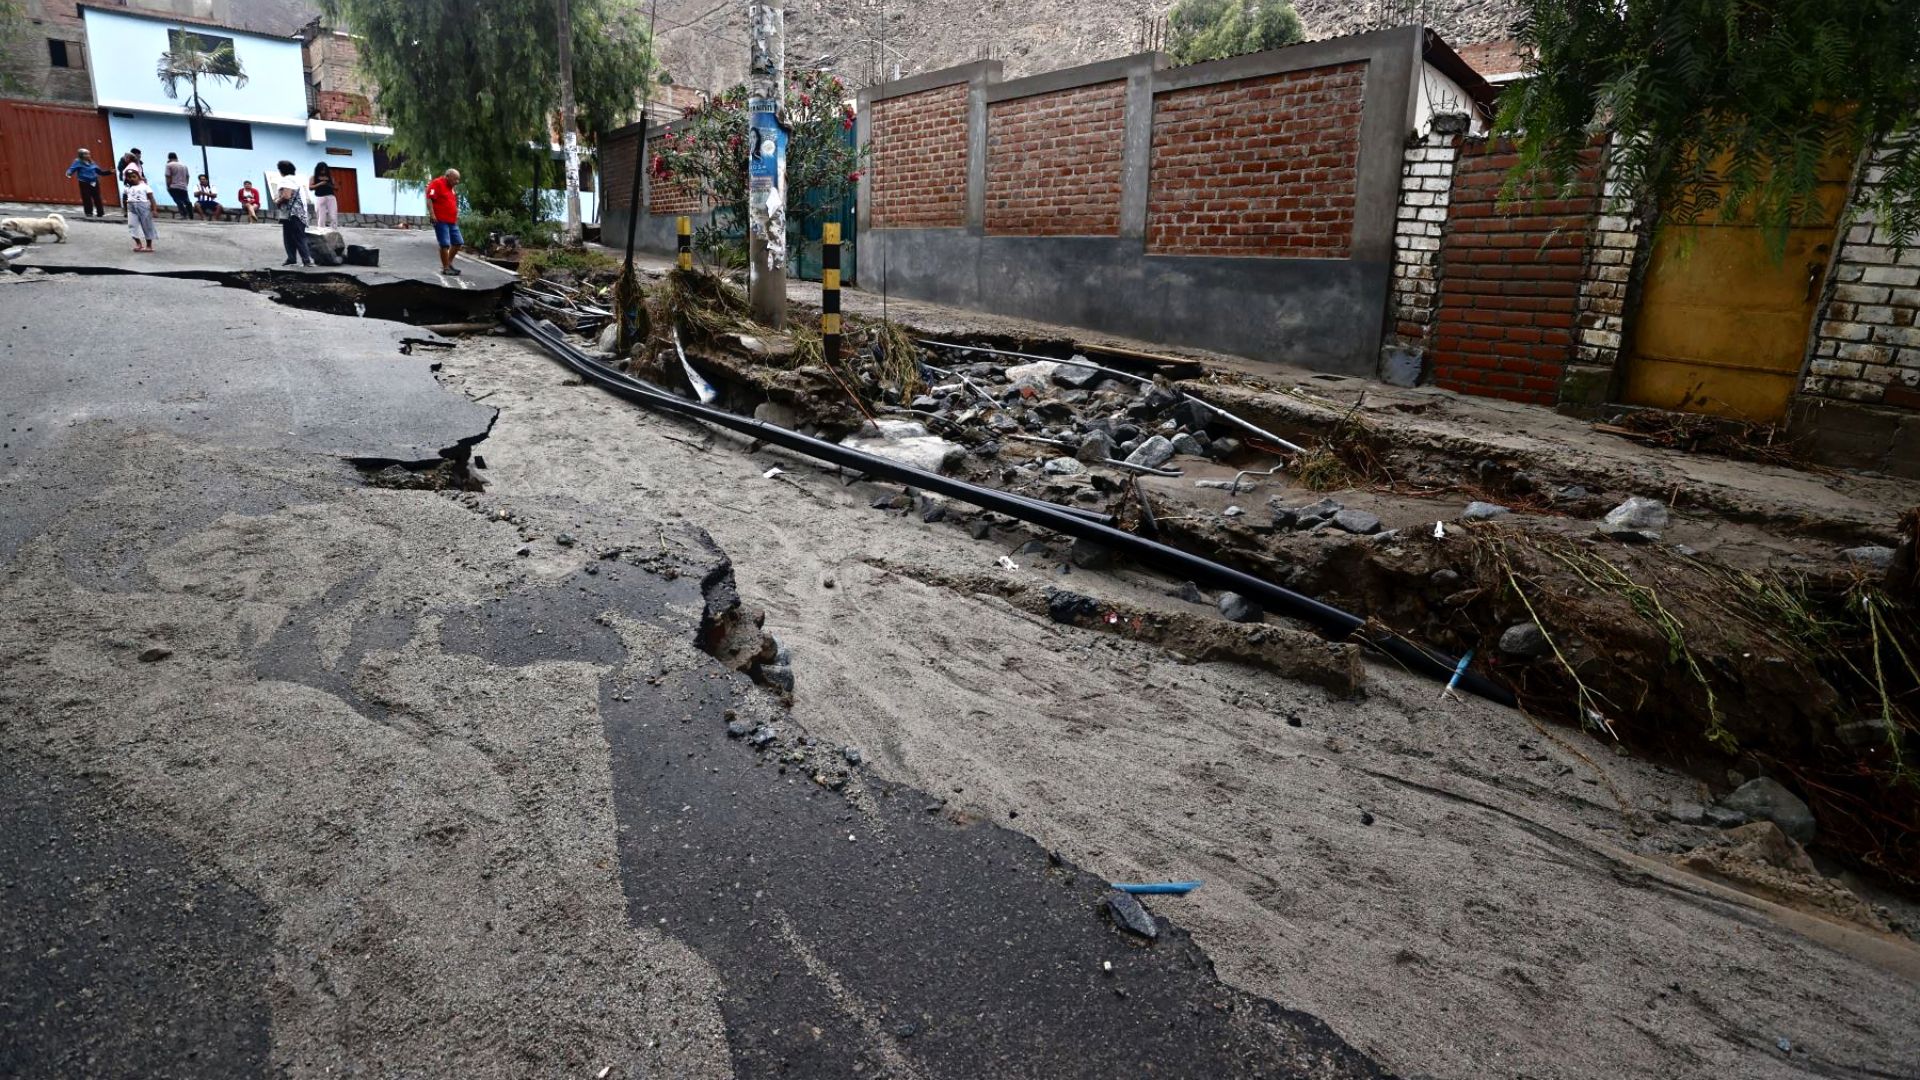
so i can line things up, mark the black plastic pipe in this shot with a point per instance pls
(1329, 619)
(771, 433)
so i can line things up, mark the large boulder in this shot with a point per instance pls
(1766, 799)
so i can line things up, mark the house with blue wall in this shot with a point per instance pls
(247, 128)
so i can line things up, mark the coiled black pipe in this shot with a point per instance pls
(1329, 619)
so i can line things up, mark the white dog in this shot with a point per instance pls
(37, 226)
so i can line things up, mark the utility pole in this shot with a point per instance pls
(569, 141)
(767, 163)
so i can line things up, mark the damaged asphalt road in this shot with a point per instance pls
(306, 776)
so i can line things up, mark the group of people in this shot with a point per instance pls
(139, 198)
(289, 198)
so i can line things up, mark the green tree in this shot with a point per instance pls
(191, 59)
(474, 85)
(707, 156)
(1212, 29)
(1723, 105)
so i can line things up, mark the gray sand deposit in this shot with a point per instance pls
(1449, 887)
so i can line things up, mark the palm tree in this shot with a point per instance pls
(189, 62)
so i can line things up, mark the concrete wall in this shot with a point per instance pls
(273, 104)
(126, 48)
(1350, 99)
(157, 134)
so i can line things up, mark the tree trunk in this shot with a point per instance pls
(569, 141)
(767, 163)
(197, 122)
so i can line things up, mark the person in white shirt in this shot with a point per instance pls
(290, 198)
(137, 197)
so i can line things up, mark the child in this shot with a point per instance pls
(207, 199)
(250, 200)
(137, 197)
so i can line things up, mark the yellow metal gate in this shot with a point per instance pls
(1722, 326)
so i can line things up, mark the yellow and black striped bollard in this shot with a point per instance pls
(830, 291)
(684, 226)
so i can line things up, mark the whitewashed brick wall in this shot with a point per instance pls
(1611, 251)
(1867, 342)
(1426, 186)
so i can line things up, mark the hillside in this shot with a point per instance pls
(704, 44)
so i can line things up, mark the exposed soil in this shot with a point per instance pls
(1451, 886)
(1742, 644)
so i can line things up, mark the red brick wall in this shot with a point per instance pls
(616, 171)
(1509, 282)
(667, 197)
(1054, 161)
(920, 159)
(342, 106)
(1262, 166)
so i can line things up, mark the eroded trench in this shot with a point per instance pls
(1707, 663)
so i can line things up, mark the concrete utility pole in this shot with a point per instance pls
(767, 163)
(569, 141)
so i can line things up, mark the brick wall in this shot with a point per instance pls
(1054, 162)
(1426, 185)
(667, 197)
(1262, 166)
(1510, 281)
(616, 154)
(342, 106)
(920, 159)
(26, 62)
(1867, 343)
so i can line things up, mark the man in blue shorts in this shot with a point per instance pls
(445, 206)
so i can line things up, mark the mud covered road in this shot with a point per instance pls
(308, 776)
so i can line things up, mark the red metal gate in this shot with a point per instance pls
(37, 144)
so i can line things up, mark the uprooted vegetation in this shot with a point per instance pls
(1811, 676)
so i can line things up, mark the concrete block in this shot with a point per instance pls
(1857, 436)
(1402, 367)
(1586, 385)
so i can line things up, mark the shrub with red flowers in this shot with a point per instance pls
(706, 154)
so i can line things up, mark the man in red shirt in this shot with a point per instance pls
(445, 206)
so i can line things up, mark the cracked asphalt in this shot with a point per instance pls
(309, 777)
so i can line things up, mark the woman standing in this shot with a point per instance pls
(87, 172)
(207, 199)
(137, 197)
(326, 206)
(291, 201)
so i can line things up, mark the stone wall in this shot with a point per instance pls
(1426, 186)
(1867, 337)
(1613, 248)
(920, 159)
(1262, 166)
(1054, 162)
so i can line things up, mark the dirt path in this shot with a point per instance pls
(1446, 886)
